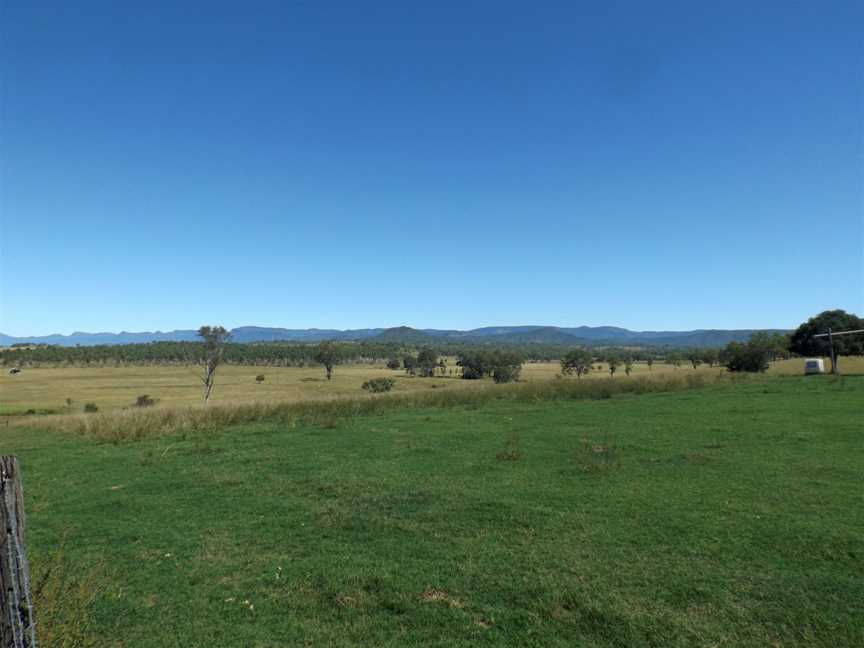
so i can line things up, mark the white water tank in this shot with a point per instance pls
(813, 366)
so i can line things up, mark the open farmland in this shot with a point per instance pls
(45, 390)
(727, 515)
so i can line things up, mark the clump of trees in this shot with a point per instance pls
(577, 361)
(502, 365)
(379, 385)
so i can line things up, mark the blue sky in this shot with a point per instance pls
(448, 164)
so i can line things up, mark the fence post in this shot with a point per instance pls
(17, 626)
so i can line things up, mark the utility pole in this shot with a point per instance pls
(831, 335)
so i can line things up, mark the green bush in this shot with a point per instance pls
(751, 356)
(379, 385)
(90, 407)
(505, 373)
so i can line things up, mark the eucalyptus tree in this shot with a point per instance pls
(628, 364)
(695, 357)
(327, 354)
(427, 362)
(577, 361)
(613, 361)
(214, 339)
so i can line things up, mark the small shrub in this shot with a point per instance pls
(259, 378)
(394, 363)
(144, 401)
(379, 385)
(90, 408)
(68, 402)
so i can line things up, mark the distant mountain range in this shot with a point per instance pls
(580, 335)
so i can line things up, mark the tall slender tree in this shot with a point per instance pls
(214, 339)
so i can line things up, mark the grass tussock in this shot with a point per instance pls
(141, 423)
(63, 598)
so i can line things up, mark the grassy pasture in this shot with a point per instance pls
(729, 515)
(45, 390)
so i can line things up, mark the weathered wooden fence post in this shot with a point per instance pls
(17, 626)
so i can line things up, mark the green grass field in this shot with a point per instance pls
(731, 515)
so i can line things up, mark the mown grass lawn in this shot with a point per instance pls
(731, 515)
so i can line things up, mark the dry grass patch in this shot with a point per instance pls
(434, 595)
(138, 423)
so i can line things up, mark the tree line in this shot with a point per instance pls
(473, 361)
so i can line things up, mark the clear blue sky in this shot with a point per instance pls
(652, 165)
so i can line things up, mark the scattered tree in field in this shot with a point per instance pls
(803, 343)
(410, 363)
(695, 358)
(379, 385)
(780, 342)
(68, 402)
(752, 356)
(427, 361)
(613, 361)
(650, 362)
(576, 361)
(90, 408)
(214, 338)
(673, 358)
(710, 357)
(259, 378)
(327, 354)
(628, 364)
(394, 363)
